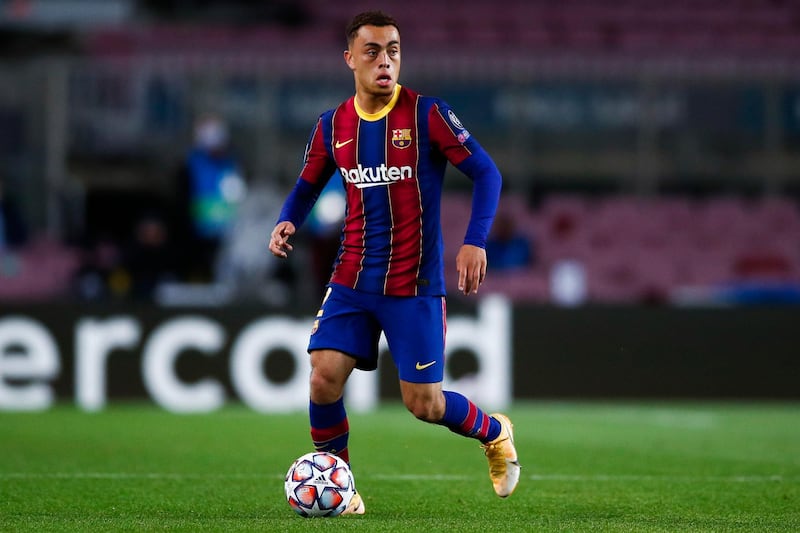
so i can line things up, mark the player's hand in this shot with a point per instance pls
(279, 240)
(471, 266)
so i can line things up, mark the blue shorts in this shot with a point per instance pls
(351, 322)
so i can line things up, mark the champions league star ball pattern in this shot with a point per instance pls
(319, 484)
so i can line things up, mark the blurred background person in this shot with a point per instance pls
(324, 224)
(210, 189)
(149, 259)
(507, 248)
(13, 232)
(13, 228)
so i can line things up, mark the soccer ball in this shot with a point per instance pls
(319, 484)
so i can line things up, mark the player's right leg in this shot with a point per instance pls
(330, 430)
(344, 337)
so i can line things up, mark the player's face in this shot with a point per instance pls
(374, 58)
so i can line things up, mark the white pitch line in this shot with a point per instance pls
(594, 478)
(405, 477)
(688, 479)
(125, 475)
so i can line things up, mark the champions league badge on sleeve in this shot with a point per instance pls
(462, 134)
(454, 119)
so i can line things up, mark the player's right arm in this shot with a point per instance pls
(279, 240)
(318, 166)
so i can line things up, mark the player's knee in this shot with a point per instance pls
(420, 410)
(324, 387)
(425, 408)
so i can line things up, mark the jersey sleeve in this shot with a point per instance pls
(318, 167)
(454, 141)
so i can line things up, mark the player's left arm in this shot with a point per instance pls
(471, 260)
(465, 153)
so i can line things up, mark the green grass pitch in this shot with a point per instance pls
(586, 466)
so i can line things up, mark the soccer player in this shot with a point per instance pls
(390, 146)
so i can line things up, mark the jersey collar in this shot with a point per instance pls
(383, 112)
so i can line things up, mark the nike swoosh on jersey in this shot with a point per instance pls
(421, 366)
(339, 144)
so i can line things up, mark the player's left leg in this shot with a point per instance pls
(428, 402)
(417, 345)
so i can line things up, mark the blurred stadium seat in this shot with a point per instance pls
(645, 250)
(628, 27)
(42, 270)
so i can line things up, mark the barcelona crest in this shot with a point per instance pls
(401, 138)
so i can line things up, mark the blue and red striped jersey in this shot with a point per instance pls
(392, 164)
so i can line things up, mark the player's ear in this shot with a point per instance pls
(348, 58)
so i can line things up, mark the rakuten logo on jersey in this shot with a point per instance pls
(363, 177)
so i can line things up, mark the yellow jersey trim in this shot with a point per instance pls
(383, 112)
